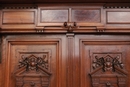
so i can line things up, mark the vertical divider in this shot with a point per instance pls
(70, 46)
(0, 48)
(70, 15)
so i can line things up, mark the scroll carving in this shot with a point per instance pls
(108, 70)
(33, 71)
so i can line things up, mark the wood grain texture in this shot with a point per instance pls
(118, 17)
(49, 18)
(18, 17)
(100, 44)
(2, 65)
(54, 15)
(70, 43)
(70, 55)
(49, 45)
(89, 16)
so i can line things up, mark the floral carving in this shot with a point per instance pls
(108, 63)
(32, 62)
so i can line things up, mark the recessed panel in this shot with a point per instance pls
(18, 17)
(118, 17)
(54, 16)
(86, 16)
(99, 60)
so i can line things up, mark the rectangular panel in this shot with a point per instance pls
(86, 15)
(118, 17)
(54, 15)
(18, 17)
(37, 59)
(102, 59)
(106, 56)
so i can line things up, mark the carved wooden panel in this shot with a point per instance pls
(33, 71)
(108, 69)
(35, 61)
(118, 17)
(86, 15)
(103, 61)
(100, 59)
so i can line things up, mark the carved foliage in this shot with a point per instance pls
(32, 62)
(108, 70)
(108, 62)
(33, 71)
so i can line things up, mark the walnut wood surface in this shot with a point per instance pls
(80, 42)
(48, 18)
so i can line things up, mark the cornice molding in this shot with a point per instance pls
(116, 5)
(20, 6)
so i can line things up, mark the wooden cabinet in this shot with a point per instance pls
(65, 60)
(64, 45)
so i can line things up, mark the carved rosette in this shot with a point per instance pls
(108, 70)
(33, 71)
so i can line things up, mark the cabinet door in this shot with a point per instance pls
(51, 47)
(91, 50)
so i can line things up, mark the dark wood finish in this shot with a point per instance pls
(118, 17)
(18, 17)
(101, 46)
(50, 46)
(33, 71)
(47, 18)
(90, 16)
(107, 69)
(70, 58)
(65, 45)
(54, 16)
(0, 48)
(62, 1)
